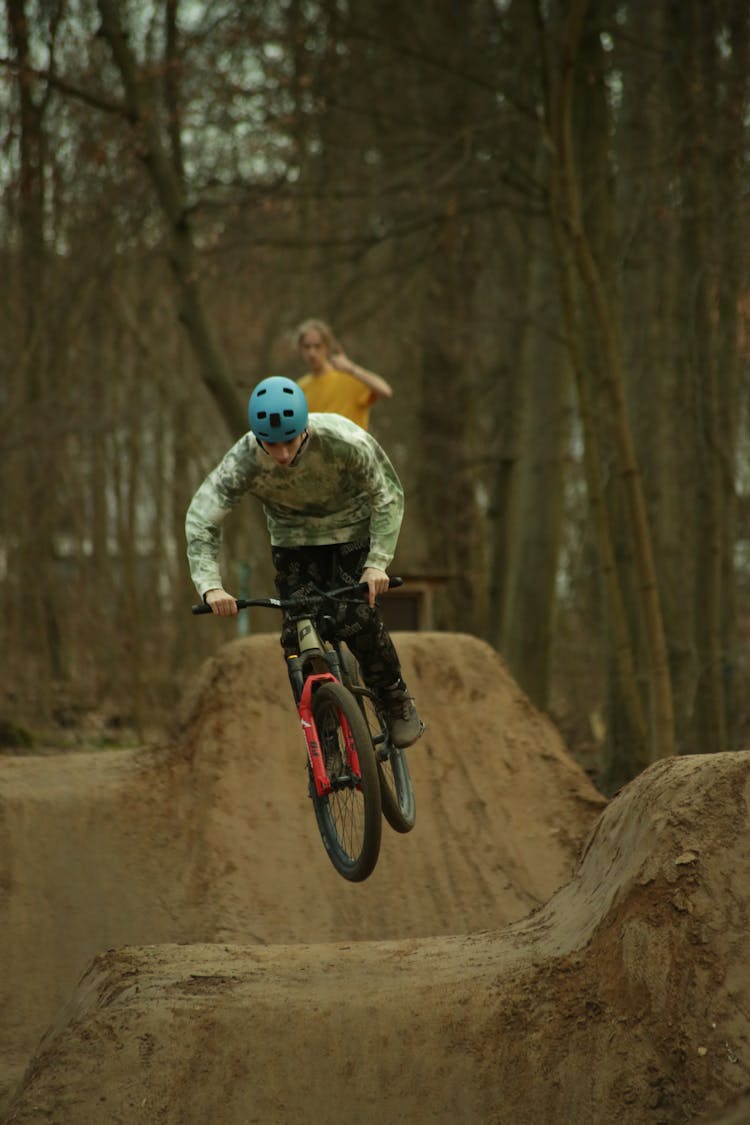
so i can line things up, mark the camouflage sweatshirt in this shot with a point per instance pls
(341, 488)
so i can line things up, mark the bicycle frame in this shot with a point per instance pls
(355, 777)
(312, 651)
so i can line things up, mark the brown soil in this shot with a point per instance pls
(179, 949)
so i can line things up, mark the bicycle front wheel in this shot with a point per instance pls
(350, 816)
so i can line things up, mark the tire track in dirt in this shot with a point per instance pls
(201, 841)
(624, 998)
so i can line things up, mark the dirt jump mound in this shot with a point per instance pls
(624, 998)
(211, 840)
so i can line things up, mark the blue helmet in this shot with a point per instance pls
(277, 409)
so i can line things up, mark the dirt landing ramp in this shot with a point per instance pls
(212, 839)
(625, 998)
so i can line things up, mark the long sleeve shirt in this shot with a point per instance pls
(341, 488)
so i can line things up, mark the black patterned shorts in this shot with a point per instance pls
(299, 570)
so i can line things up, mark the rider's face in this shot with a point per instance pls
(314, 350)
(284, 452)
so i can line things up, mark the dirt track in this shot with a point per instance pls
(460, 987)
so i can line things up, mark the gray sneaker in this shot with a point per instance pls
(404, 723)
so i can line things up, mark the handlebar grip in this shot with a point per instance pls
(392, 584)
(242, 603)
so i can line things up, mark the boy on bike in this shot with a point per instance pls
(333, 505)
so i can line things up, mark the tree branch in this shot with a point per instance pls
(89, 97)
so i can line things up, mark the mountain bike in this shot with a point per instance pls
(355, 773)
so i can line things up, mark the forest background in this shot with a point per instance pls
(531, 216)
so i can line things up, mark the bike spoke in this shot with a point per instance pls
(349, 815)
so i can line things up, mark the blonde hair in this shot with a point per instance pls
(317, 326)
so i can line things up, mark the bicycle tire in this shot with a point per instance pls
(396, 790)
(349, 818)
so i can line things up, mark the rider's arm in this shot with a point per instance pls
(377, 384)
(220, 492)
(369, 461)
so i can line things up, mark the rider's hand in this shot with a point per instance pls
(221, 602)
(341, 362)
(377, 582)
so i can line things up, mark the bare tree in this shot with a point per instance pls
(34, 506)
(163, 161)
(568, 210)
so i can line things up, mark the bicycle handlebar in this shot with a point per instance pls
(290, 603)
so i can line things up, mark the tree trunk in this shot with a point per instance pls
(731, 253)
(538, 507)
(657, 346)
(590, 425)
(35, 521)
(164, 172)
(613, 381)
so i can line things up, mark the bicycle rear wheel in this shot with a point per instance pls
(349, 817)
(396, 790)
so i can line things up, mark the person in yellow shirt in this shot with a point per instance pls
(333, 383)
